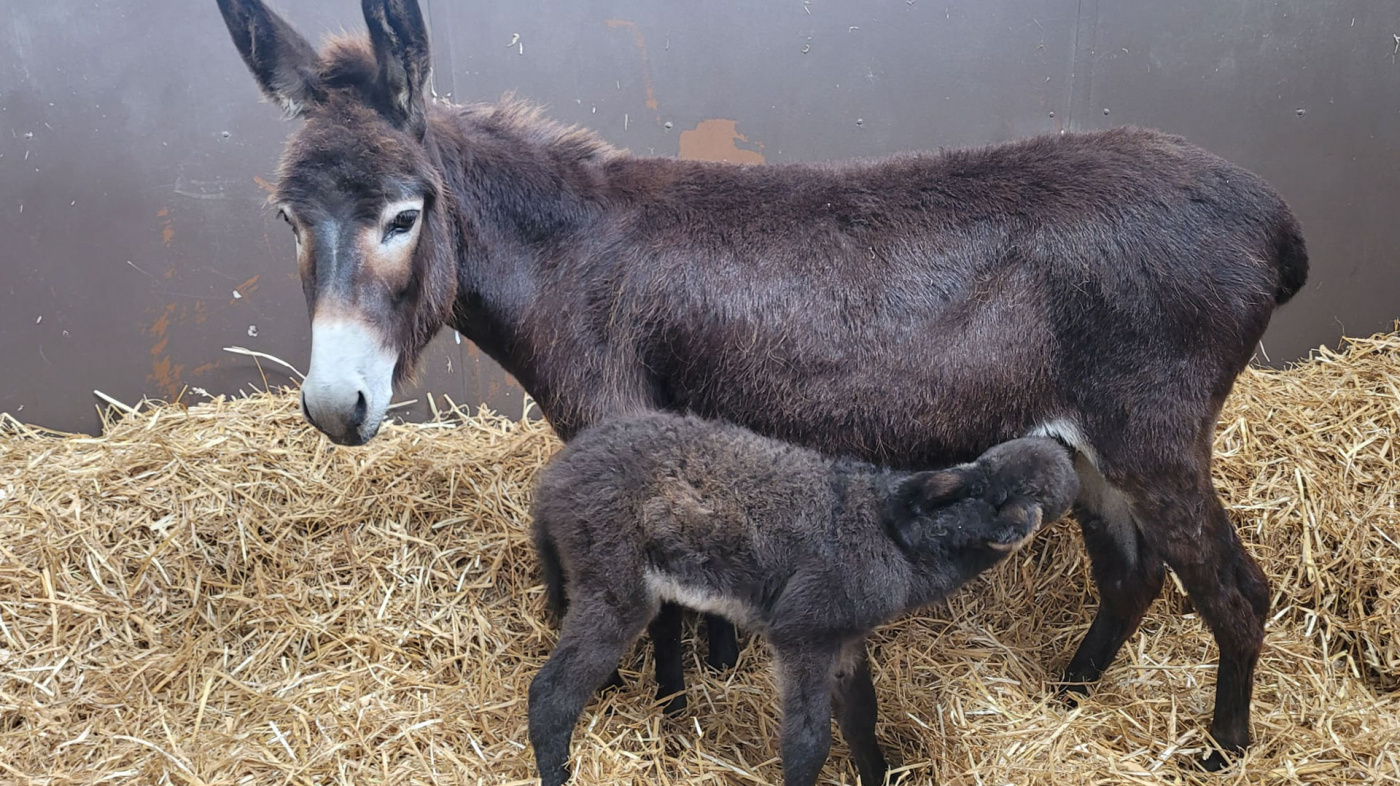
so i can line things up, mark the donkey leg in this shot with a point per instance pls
(724, 644)
(594, 639)
(856, 710)
(1228, 589)
(805, 672)
(665, 634)
(1127, 571)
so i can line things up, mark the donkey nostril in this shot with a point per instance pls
(306, 413)
(361, 408)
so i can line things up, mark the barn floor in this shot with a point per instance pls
(216, 595)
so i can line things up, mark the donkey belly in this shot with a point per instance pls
(902, 398)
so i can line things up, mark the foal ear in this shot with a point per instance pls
(282, 62)
(914, 511)
(946, 486)
(400, 40)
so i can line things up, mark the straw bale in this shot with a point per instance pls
(217, 595)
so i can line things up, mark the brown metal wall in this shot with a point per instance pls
(135, 153)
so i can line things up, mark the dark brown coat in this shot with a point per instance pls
(1103, 287)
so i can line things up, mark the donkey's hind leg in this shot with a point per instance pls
(1193, 532)
(1127, 571)
(595, 636)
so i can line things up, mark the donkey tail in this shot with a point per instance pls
(1292, 259)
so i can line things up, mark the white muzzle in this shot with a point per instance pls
(347, 389)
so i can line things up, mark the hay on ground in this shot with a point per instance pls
(216, 595)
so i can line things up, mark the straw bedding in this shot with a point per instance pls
(217, 595)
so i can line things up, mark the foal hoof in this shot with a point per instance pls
(1073, 687)
(674, 706)
(614, 681)
(722, 661)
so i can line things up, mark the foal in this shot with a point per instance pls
(809, 550)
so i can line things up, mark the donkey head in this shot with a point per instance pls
(360, 184)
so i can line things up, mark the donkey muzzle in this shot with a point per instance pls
(347, 389)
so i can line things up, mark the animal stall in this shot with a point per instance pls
(211, 592)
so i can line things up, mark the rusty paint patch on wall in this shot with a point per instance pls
(717, 140)
(641, 42)
(247, 287)
(165, 373)
(167, 226)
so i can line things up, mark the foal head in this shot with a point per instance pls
(361, 187)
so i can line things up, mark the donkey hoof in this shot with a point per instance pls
(1073, 688)
(1070, 695)
(1219, 759)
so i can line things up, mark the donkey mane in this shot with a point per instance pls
(520, 119)
(347, 61)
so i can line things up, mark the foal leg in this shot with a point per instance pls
(805, 674)
(665, 634)
(1127, 571)
(595, 636)
(724, 645)
(1227, 588)
(854, 700)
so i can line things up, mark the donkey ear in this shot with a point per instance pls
(400, 40)
(282, 62)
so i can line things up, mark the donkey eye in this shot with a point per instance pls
(282, 214)
(402, 223)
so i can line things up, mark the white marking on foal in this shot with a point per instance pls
(667, 588)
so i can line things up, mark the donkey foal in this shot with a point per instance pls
(809, 550)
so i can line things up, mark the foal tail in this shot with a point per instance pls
(552, 571)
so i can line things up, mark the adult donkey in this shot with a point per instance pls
(1105, 288)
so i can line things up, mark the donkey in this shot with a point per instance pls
(812, 551)
(1105, 288)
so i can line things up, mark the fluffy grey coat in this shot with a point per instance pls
(809, 550)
